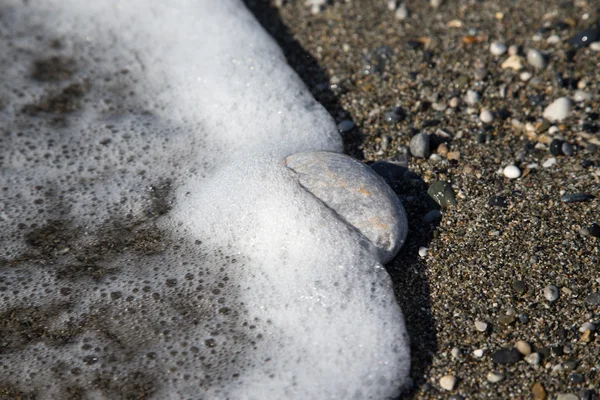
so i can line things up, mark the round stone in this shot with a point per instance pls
(423, 252)
(588, 326)
(498, 48)
(494, 376)
(486, 116)
(356, 194)
(511, 172)
(478, 353)
(533, 359)
(345, 126)
(472, 97)
(551, 293)
(481, 326)
(523, 347)
(558, 110)
(536, 59)
(448, 382)
(419, 145)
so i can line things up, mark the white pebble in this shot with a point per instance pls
(533, 359)
(478, 353)
(551, 293)
(558, 109)
(536, 59)
(513, 50)
(553, 129)
(401, 13)
(595, 46)
(513, 62)
(494, 376)
(580, 95)
(472, 97)
(423, 251)
(497, 48)
(481, 326)
(525, 76)
(511, 172)
(435, 3)
(392, 5)
(486, 116)
(549, 162)
(447, 382)
(455, 352)
(588, 326)
(553, 39)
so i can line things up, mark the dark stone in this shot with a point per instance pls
(519, 287)
(498, 201)
(543, 351)
(395, 115)
(481, 138)
(576, 197)
(506, 356)
(595, 230)
(571, 365)
(570, 55)
(593, 299)
(506, 319)
(568, 149)
(556, 147)
(414, 44)
(585, 37)
(566, 82)
(576, 378)
(442, 193)
(558, 350)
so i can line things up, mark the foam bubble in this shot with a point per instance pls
(154, 242)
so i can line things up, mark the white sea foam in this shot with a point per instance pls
(152, 239)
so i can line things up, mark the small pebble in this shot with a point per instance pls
(525, 76)
(486, 116)
(395, 115)
(423, 252)
(455, 352)
(494, 376)
(419, 145)
(513, 62)
(595, 46)
(568, 149)
(556, 147)
(551, 293)
(435, 3)
(576, 197)
(588, 326)
(580, 96)
(533, 359)
(553, 39)
(519, 287)
(432, 216)
(549, 162)
(401, 13)
(593, 299)
(594, 230)
(536, 59)
(454, 102)
(478, 353)
(345, 126)
(506, 356)
(498, 201)
(538, 391)
(498, 48)
(448, 382)
(558, 110)
(442, 193)
(567, 396)
(481, 326)
(523, 347)
(472, 97)
(511, 172)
